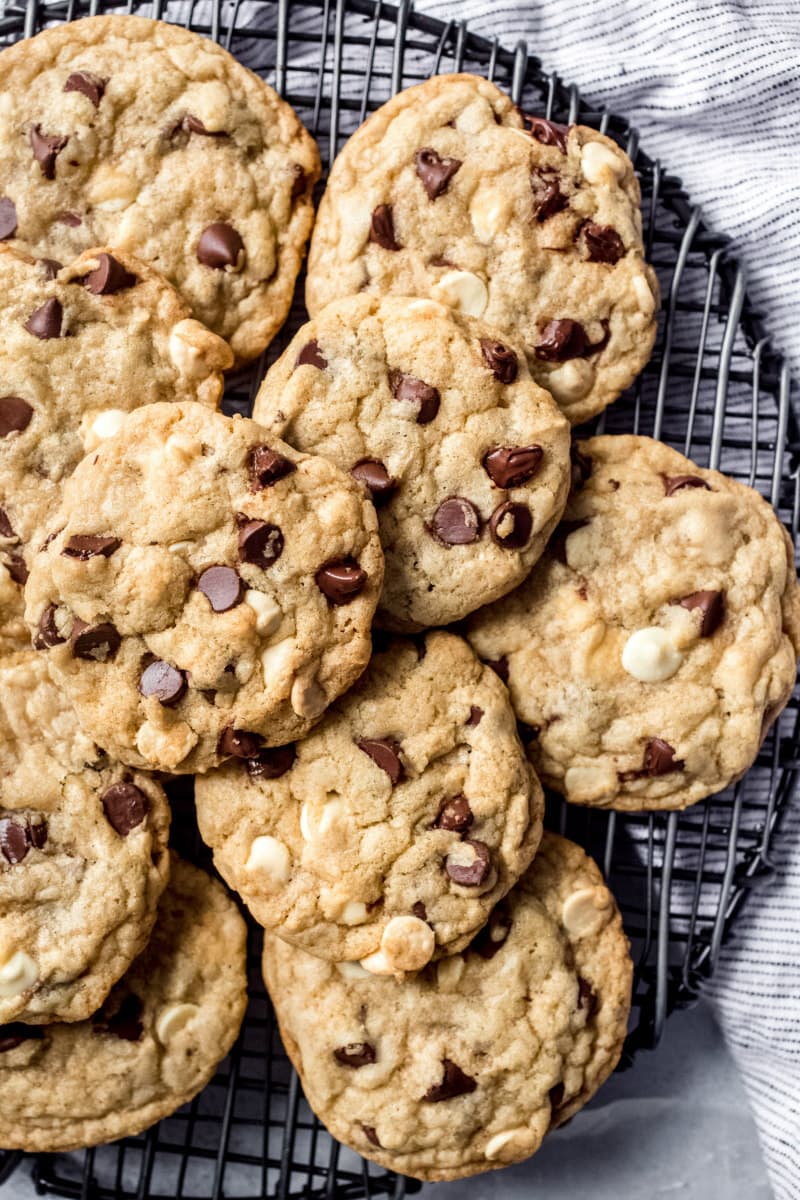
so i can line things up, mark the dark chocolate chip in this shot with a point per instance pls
(474, 872)
(46, 148)
(385, 753)
(711, 605)
(355, 1054)
(220, 246)
(125, 806)
(674, 483)
(192, 124)
(272, 762)
(16, 1033)
(381, 228)
(165, 682)
(557, 1096)
(494, 933)
(511, 466)
(456, 522)
(371, 1134)
(548, 198)
(260, 543)
(501, 360)
(455, 814)
(98, 642)
(659, 758)
(341, 581)
(435, 172)
(499, 666)
(415, 391)
(90, 545)
(564, 338)
(475, 715)
(125, 1023)
(299, 181)
(89, 85)
(6, 528)
(419, 910)
(45, 322)
(13, 840)
(17, 568)
(373, 474)
(549, 133)
(47, 633)
(311, 356)
(511, 525)
(222, 587)
(15, 415)
(108, 277)
(455, 1082)
(36, 832)
(50, 267)
(239, 743)
(267, 467)
(603, 244)
(8, 218)
(70, 219)
(587, 998)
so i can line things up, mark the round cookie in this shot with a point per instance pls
(466, 458)
(207, 590)
(79, 347)
(391, 831)
(131, 131)
(83, 855)
(659, 637)
(465, 1066)
(449, 191)
(152, 1046)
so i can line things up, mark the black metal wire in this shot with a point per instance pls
(714, 389)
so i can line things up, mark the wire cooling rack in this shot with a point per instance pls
(713, 389)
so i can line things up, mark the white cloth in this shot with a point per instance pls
(714, 89)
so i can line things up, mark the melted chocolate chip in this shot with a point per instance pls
(456, 522)
(373, 474)
(45, 322)
(455, 814)
(474, 872)
(6, 528)
(37, 832)
(355, 1054)
(260, 543)
(220, 246)
(587, 998)
(89, 85)
(50, 267)
(222, 587)
(549, 133)
(381, 228)
(267, 467)
(415, 391)
(16, 1033)
(455, 1082)
(547, 196)
(299, 181)
(46, 148)
(193, 124)
(603, 244)
(98, 642)
(8, 218)
(70, 219)
(711, 605)
(15, 415)
(90, 545)
(499, 666)
(511, 466)
(311, 356)
(17, 568)
(341, 581)
(239, 743)
(419, 910)
(108, 277)
(165, 682)
(13, 841)
(675, 483)
(435, 172)
(271, 763)
(494, 933)
(659, 759)
(371, 1134)
(475, 715)
(125, 806)
(125, 1023)
(564, 338)
(385, 753)
(501, 360)
(511, 525)
(47, 634)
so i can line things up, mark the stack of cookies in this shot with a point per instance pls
(261, 603)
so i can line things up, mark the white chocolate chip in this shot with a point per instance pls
(306, 827)
(449, 972)
(331, 812)
(489, 213)
(181, 547)
(572, 381)
(17, 974)
(590, 782)
(209, 102)
(165, 748)
(276, 660)
(181, 449)
(408, 943)
(173, 1019)
(111, 189)
(104, 425)
(354, 913)
(644, 295)
(586, 911)
(270, 857)
(308, 697)
(462, 290)
(351, 970)
(377, 964)
(196, 352)
(426, 308)
(268, 613)
(650, 655)
(511, 1143)
(598, 161)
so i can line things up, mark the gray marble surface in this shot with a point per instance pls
(674, 1127)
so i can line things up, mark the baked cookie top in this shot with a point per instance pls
(466, 458)
(153, 1045)
(389, 833)
(448, 191)
(131, 131)
(465, 1066)
(659, 637)
(83, 854)
(80, 346)
(207, 590)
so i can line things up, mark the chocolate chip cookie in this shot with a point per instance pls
(81, 346)
(83, 855)
(465, 1066)
(658, 639)
(436, 415)
(206, 590)
(450, 192)
(153, 1045)
(125, 130)
(389, 833)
